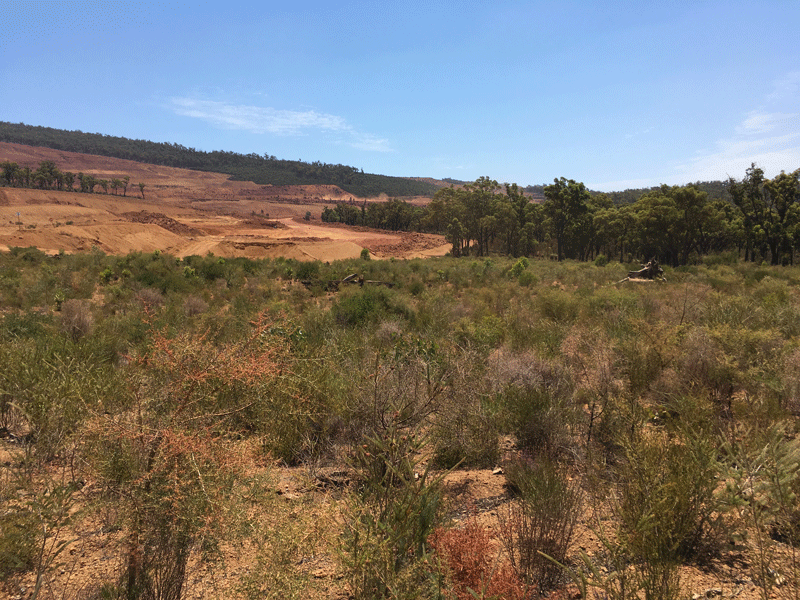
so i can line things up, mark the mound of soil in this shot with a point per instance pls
(162, 221)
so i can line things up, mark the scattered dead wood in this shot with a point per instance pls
(648, 273)
(333, 285)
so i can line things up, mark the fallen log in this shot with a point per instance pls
(333, 285)
(648, 273)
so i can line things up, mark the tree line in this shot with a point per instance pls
(756, 216)
(394, 215)
(263, 169)
(47, 176)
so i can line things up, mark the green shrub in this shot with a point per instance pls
(24, 325)
(360, 306)
(416, 287)
(20, 535)
(527, 279)
(763, 482)
(557, 305)
(641, 362)
(30, 254)
(385, 549)
(667, 509)
(542, 520)
(31, 529)
(306, 270)
(519, 267)
(52, 384)
(466, 423)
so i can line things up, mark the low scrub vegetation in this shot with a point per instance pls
(162, 403)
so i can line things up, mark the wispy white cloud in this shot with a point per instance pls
(788, 87)
(635, 134)
(256, 119)
(372, 143)
(768, 136)
(758, 122)
(266, 120)
(731, 157)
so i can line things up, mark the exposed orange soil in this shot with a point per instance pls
(186, 212)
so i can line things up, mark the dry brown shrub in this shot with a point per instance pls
(528, 370)
(591, 358)
(704, 366)
(684, 304)
(76, 318)
(164, 457)
(472, 563)
(193, 306)
(150, 297)
(791, 383)
(536, 396)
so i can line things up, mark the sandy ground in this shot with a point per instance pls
(94, 551)
(202, 213)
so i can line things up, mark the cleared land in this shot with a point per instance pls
(186, 212)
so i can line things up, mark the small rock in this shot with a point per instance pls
(497, 471)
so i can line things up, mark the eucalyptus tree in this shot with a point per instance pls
(480, 202)
(455, 236)
(513, 214)
(46, 174)
(25, 175)
(767, 214)
(441, 210)
(748, 196)
(690, 203)
(11, 172)
(783, 195)
(566, 207)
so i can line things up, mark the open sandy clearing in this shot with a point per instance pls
(184, 213)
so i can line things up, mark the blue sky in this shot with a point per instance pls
(613, 94)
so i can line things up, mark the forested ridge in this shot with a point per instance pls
(261, 169)
(756, 218)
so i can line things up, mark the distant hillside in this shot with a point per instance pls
(715, 190)
(263, 170)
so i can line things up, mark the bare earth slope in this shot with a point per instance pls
(185, 212)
